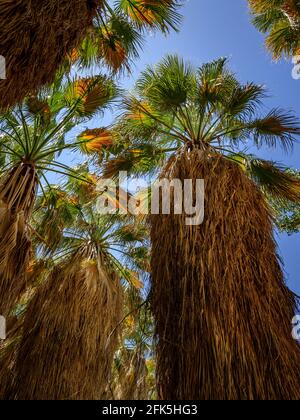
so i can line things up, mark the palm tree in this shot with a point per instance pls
(33, 135)
(37, 40)
(280, 21)
(221, 308)
(72, 323)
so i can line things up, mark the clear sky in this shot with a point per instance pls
(215, 28)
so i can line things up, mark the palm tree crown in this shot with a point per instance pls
(175, 107)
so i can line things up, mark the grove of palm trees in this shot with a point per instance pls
(102, 297)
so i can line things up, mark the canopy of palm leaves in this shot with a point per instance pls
(177, 108)
(38, 37)
(280, 21)
(229, 337)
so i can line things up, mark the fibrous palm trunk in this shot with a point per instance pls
(70, 334)
(222, 309)
(35, 38)
(17, 194)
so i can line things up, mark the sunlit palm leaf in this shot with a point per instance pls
(274, 179)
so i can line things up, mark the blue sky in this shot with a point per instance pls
(215, 28)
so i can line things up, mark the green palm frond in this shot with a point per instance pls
(168, 85)
(154, 14)
(145, 159)
(274, 179)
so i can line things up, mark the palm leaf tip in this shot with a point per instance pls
(276, 126)
(275, 179)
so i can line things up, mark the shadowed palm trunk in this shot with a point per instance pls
(222, 310)
(68, 339)
(36, 37)
(17, 194)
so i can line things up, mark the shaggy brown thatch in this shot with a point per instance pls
(67, 347)
(9, 347)
(17, 193)
(222, 310)
(35, 37)
(8, 355)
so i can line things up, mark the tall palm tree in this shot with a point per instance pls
(38, 39)
(71, 327)
(280, 21)
(221, 307)
(33, 135)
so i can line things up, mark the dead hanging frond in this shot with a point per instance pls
(67, 348)
(8, 355)
(17, 193)
(35, 38)
(10, 347)
(221, 306)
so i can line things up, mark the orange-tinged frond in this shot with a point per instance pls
(135, 280)
(147, 11)
(95, 140)
(89, 95)
(113, 52)
(140, 13)
(74, 55)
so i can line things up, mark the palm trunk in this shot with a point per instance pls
(17, 194)
(70, 334)
(222, 309)
(35, 38)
